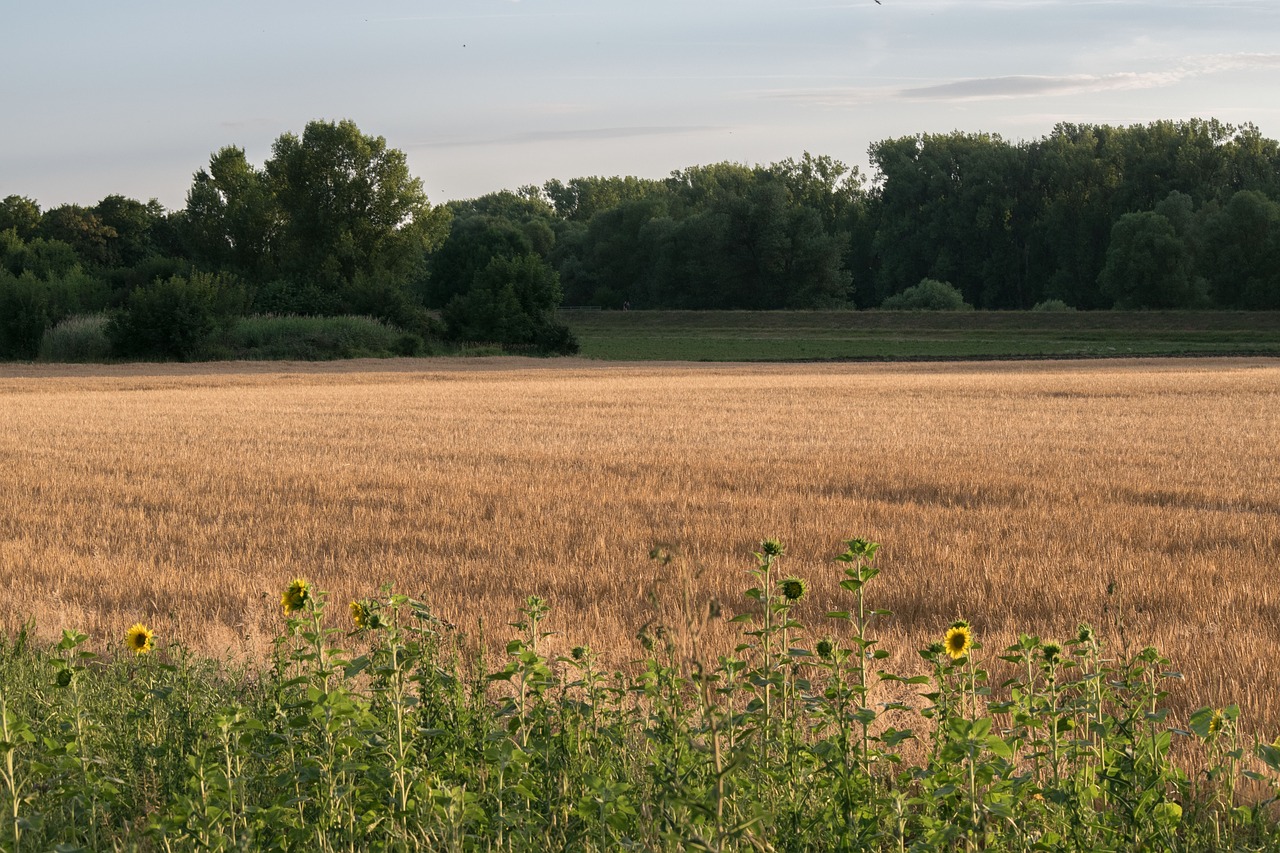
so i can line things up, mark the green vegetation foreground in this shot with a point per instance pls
(787, 744)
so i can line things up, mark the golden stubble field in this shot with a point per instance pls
(1010, 494)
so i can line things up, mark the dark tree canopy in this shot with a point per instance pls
(1170, 214)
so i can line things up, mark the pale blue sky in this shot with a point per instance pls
(133, 96)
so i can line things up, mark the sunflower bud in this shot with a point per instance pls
(772, 548)
(793, 589)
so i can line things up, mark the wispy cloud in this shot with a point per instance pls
(1028, 86)
(571, 135)
(1035, 86)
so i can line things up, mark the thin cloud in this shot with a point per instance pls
(1027, 86)
(580, 134)
(1016, 86)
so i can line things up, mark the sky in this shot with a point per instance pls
(133, 97)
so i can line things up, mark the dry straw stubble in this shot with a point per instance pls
(1010, 494)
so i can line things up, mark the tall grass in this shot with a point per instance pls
(384, 731)
(77, 339)
(317, 338)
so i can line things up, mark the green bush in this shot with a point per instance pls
(511, 302)
(318, 338)
(1052, 305)
(175, 318)
(929, 295)
(78, 338)
(25, 308)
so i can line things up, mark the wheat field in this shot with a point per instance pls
(1010, 494)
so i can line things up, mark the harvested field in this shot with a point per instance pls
(1010, 494)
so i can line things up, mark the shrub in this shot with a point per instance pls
(1052, 305)
(318, 338)
(79, 338)
(174, 317)
(24, 314)
(929, 295)
(511, 302)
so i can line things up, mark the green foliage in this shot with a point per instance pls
(77, 338)
(1240, 251)
(346, 205)
(175, 318)
(41, 282)
(474, 242)
(80, 228)
(929, 295)
(384, 734)
(318, 338)
(1147, 265)
(1052, 305)
(1170, 214)
(25, 309)
(230, 220)
(511, 302)
(20, 215)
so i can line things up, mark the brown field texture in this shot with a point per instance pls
(1010, 494)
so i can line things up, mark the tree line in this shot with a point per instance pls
(1172, 214)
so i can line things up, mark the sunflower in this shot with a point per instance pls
(826, 649)
(1051, 651)
(140, 639)
(1217, 723)
(958, 639)
(360, 615)
(295, 596)
(772, 548)
(793, 588)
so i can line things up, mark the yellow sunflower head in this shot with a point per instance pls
(1217, 723)
(295, 595)
(364, 616)
(958, 639)
(139, 639)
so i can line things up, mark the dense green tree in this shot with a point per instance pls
(511, 302)
(1147, 265)
(348, 206)
(582, 198)
(25, 313)
(175, 318)
(473, 242)
(80, 228)
(21, 215)
(1240, 254)
(953, 207)
(133, 222)
(1068, 233)
(231, 220)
